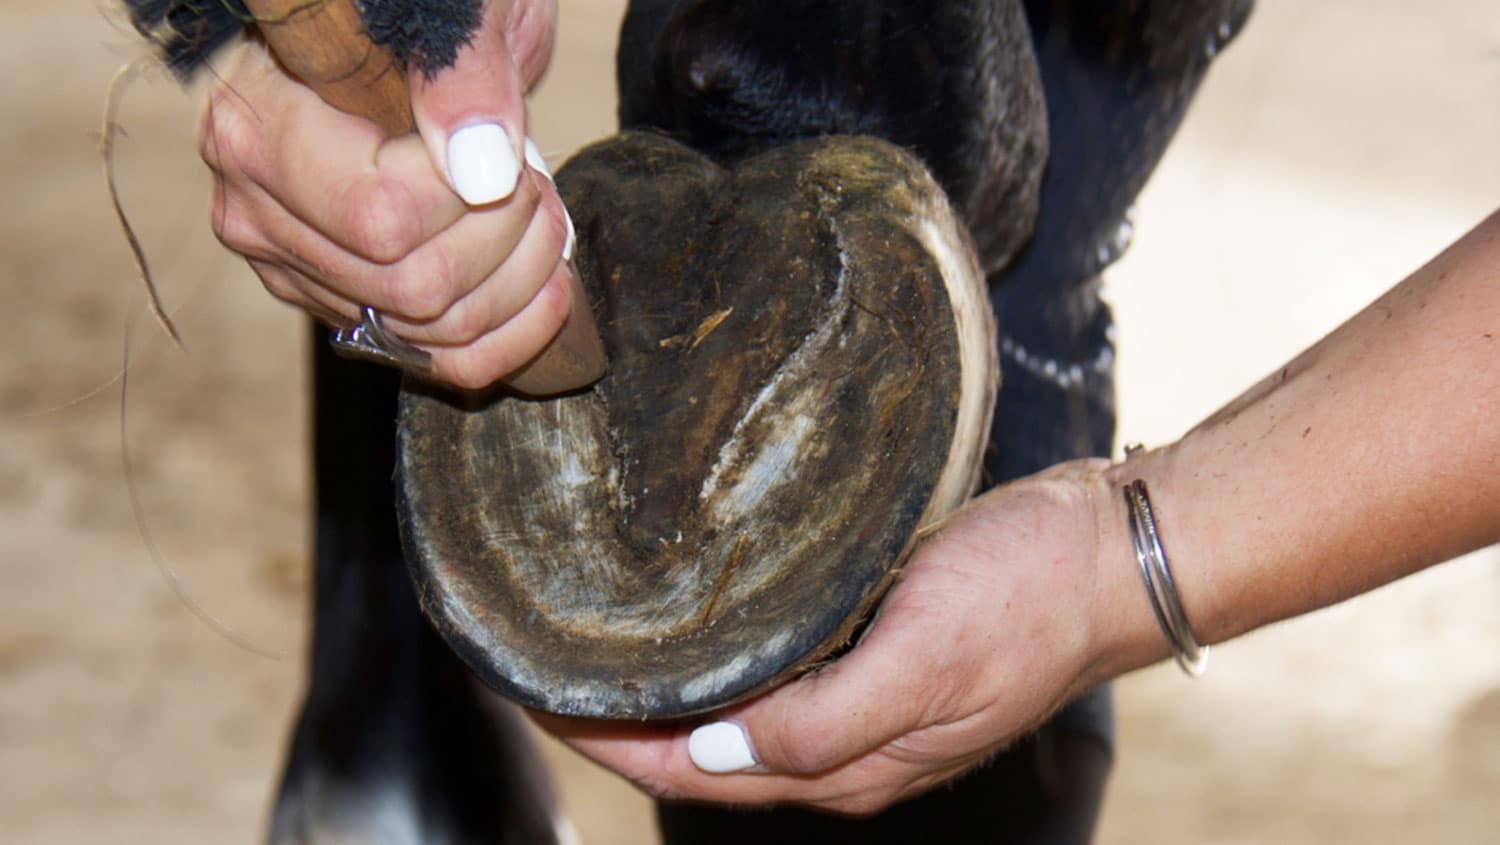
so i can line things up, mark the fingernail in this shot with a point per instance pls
(534, 158)
(481, 164)
(539, 164)
(720, 748)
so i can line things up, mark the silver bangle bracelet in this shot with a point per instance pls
(1162, 590)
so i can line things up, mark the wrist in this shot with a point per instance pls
(1121, 633)
(1127, 634)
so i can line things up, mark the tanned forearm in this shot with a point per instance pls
(1370, 456)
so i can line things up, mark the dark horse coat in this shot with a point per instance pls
(397, 743)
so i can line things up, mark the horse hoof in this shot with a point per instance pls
(801, 379)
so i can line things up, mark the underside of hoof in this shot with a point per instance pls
(801, 378)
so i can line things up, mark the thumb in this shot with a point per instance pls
(868, 698)
(472, 115)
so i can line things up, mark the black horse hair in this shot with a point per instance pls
(424, 35)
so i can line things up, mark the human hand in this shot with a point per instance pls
(458, 244)
(1023, 600)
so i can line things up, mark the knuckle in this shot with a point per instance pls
(467, 369)
(380, 220)
(228, 135)
(801, 759)
(234, 229)
(863, 805)
(468, 324)
(422, 290)
(225, 226)
(947, 692)
(281, 290)
(785, 749)
(556, 299)
(277, 283)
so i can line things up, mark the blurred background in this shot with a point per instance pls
(1335, 147)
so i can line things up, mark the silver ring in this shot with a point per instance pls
(369, 341)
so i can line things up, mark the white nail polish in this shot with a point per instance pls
(720, 748)
(534, 158)
(481, 164)
(539, 164)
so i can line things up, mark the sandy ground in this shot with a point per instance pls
(1335, 148)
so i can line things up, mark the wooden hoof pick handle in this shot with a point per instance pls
(325, 45)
